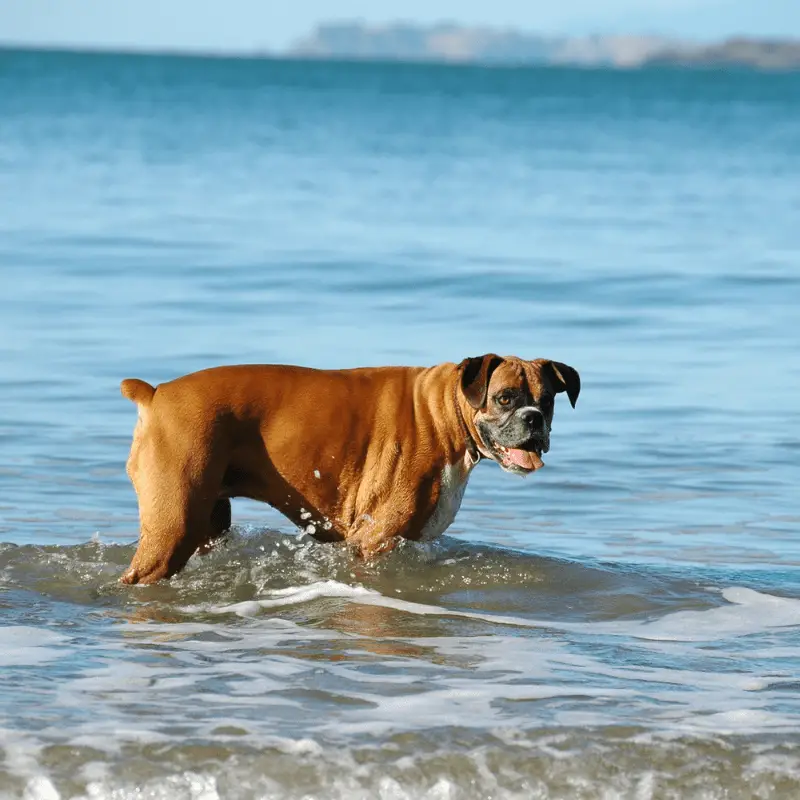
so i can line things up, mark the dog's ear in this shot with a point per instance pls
(565, 379)
(475, 376)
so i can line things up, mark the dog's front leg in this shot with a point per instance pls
(375, 534)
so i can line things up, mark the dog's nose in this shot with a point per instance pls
(533, 417)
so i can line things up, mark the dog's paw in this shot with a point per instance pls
(130, 577)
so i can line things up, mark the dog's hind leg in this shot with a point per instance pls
(161, 553)
(178, 512)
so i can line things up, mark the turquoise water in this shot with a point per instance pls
(624, 623)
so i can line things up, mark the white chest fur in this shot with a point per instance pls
(453, 483)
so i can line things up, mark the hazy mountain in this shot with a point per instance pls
(450, 42)
(758, 53)
(410, 42)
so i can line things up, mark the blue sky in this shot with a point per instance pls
(273, 24)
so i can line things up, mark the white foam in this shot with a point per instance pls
(748, 612)
(25, 645)
(300, 747)
(292, 595)
(190, 785)
(41, 788)
(303, 594)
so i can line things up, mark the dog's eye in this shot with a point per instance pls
(505, 399)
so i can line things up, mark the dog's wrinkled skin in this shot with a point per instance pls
(365, 456)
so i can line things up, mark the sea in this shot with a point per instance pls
(625, 623)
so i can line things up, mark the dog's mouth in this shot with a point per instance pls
(522, 460)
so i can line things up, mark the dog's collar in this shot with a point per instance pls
(473, 452)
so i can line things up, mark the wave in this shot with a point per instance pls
(252, 571)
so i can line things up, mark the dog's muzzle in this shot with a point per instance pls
(518, 446)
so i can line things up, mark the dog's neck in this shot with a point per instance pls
(473, 454)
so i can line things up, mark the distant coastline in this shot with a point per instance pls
(453, 43)
(450, 43)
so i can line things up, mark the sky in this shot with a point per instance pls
(246, 25)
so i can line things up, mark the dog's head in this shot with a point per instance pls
(513, 403)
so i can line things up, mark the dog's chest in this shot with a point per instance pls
(453, 483)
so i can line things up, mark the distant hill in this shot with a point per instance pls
(408, 42)
(739, 52)
(449, 42)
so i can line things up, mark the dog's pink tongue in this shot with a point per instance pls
(525, 459)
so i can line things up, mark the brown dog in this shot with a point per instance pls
(362, 455)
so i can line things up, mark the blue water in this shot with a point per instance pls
(625, 621)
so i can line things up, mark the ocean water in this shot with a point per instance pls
(623, 624)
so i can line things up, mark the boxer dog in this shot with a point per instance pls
(365, 456)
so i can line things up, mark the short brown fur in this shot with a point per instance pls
(350, 455)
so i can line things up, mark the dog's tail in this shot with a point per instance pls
(140, 392)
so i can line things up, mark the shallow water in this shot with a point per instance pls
(625, 623)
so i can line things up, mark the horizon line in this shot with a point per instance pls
(293, 55)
